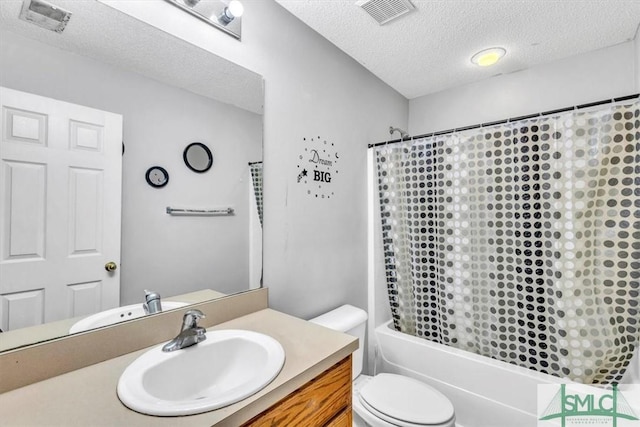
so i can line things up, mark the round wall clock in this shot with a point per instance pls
(157, 176)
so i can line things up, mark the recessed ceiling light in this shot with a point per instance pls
(488, 57)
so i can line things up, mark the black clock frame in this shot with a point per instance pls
(153, 184)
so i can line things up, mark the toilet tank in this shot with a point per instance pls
(350, 320)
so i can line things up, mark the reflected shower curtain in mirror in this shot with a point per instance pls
(256, 179)
(520, 241)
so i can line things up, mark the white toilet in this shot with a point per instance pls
(387, 400)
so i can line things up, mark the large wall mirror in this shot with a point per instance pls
(69, 248)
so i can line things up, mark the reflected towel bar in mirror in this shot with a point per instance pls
(201, 212)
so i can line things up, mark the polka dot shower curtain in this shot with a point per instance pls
(256, 180)
(520, 241)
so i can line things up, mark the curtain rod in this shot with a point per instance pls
(512, 119)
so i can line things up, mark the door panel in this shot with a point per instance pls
(84, 298)
(85, 211)
(25, 126)
(22, 309)
(86, 136)
(25, 201)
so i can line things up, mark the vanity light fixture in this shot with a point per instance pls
(488, 57)
(224, 15)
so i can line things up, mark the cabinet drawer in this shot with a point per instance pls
(315, 404)
(343, 419)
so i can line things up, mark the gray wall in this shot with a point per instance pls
(315, 250)
(171, 255)
(580, 79)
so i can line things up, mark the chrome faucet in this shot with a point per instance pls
(152, 302)
(190, 333)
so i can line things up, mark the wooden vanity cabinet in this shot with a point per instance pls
(325, 401)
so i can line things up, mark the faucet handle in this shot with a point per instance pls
(190, 319)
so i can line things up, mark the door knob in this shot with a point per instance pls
(110, 266)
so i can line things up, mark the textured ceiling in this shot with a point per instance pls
(429, 49)
(102, 33)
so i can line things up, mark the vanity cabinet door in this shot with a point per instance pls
(323, 401)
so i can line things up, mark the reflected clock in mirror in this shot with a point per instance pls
(198, 157)
(157, 176)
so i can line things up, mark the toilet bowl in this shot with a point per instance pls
(387, 400)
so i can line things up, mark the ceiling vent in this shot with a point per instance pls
(45, 15)
(384, 11)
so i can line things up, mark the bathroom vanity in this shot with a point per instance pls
(312, 389)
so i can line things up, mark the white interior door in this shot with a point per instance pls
(60, 204)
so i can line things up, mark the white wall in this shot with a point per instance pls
(637, 69)
(315, 250)
(589, 77)
(171, 255)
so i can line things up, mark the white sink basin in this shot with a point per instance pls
(230, 365)
(119, 314)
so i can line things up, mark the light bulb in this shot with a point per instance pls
(230, 12)
(236, 8)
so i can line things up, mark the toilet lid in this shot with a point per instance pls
(399, 400)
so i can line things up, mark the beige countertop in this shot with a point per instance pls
(87, 397)
(60, 328)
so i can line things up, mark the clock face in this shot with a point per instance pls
(157, 176)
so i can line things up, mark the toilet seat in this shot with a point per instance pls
(405, 402)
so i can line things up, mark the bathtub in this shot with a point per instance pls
(484, 392)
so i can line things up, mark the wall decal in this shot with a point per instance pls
(318, 167)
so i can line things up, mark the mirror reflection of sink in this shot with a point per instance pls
(119, 314)
(229, 366)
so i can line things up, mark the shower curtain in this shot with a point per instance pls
(256, 179)
(520, 241)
